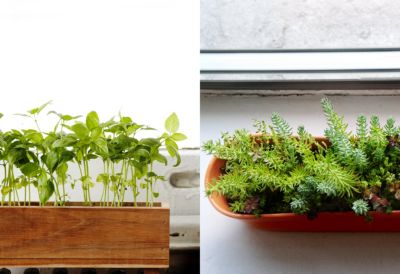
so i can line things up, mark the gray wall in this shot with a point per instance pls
(256, 24)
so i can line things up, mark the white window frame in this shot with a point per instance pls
(300, 69)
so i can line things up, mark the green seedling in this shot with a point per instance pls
(33, 159)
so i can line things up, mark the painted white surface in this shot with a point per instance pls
(137, 57)
(229, 246)
(292, 61)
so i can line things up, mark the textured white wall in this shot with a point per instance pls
(230, 246)
(262, 24)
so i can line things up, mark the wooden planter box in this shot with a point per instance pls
(324, 222)
(81, 236)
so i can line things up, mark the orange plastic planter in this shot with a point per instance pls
(324, 222)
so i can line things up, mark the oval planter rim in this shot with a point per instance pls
(220, 203)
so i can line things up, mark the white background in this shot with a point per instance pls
(138, 57)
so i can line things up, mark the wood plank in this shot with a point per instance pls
(79, 263)
(83, 233)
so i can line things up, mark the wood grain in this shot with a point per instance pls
(84, 236)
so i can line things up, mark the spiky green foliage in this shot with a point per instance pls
(280, 126)
(335, 122)
(278, 163)
(275, 171)
(362, 130)
(299, 206)
(331, 173)
(345, 151)
(360, 207)
(390, 129)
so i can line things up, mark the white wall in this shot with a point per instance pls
(230, 246)
(135, 56)
(260, 24)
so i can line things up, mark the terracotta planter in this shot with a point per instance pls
(81, 236)
(324, 222)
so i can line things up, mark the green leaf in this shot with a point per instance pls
(103, 178)
(61, 172)
(80, 130)
(156, 194)
(79, 156)
(22, 114)
(30, 169)
(51, 160)
(172, 123)
(171, 150)
(125, 120)
(66, 141)
(160, 158)
(5, 190)
(91, 156)
(49, 140)
(100, 146)
(45, 188)
(133, 128)
(140, 168)
(115, 178)
(151, 174)
(96, 133)
(1, 115)
(39, 109)
(178, 160)
(151, 142)
(142, 153)
(171, 143)
(23, 181)
(33, 135)
(86, 182)
(64, 117)
(108, 123)
(67, 117)
(15, 155)
(92, 120)
(66, 156)
(178, 137)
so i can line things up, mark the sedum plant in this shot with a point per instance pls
(279, 170)
(33, 159)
